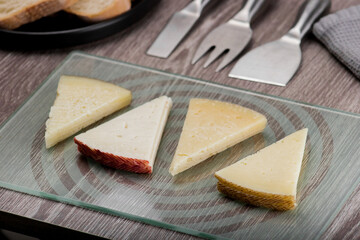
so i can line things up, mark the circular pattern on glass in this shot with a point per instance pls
(190, 199)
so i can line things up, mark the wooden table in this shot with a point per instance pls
(321, 80)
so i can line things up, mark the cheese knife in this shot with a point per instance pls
(276, 62)
(176, 29)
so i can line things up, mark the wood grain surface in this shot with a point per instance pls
(321, 80)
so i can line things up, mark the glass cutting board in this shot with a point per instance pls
(189, 202)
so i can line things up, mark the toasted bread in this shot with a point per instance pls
(15, 13)
(99, 10)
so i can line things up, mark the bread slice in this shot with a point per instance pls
(14, 13)
(99, 10)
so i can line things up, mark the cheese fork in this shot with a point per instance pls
(231, 37)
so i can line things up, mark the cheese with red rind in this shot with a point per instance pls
(113, 161)
(129, 141)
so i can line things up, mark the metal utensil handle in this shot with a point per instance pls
(309, 12)
(248, 12)
(203, 3)
(196, 7)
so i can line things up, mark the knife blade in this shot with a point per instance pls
(277, 62)
(176, 29)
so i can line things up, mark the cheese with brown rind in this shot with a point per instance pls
(269, 177)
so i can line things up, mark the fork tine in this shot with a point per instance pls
(202, 49)
(229, 57)
(214, 55)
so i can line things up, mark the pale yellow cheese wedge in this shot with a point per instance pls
(269, 177)
(211, 127)
(79, 103)
(129, 141)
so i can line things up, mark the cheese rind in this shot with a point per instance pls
(211, 127)
(114, 161)
(79, 103)
(129, 141)
(269, 177)
(278, 202)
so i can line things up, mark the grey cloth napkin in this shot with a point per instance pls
(340, 33)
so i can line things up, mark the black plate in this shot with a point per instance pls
(62, 29)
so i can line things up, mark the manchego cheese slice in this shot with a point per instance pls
(269, 177)
(80, 102)
(129, 141)
(211, 127)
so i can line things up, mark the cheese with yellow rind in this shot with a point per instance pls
(211, 127)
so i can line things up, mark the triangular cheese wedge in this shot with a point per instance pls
(269, 177)
(211, 127)
(129, 141)
(79, 103)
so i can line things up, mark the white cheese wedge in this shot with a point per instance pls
(79, 103)
(211, 127)
(269, 177)
(129, 141)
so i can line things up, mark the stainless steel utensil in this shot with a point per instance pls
(276, 62)
(176, 29)
(231, 37)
